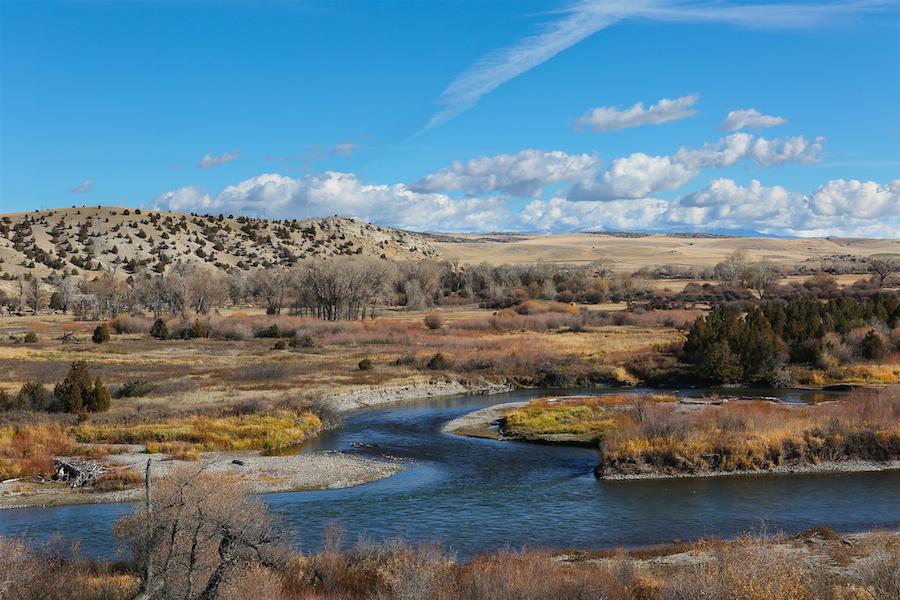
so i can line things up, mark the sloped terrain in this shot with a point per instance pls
(122, 240)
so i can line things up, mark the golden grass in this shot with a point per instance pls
(268, 431)
(753, 435)
(596, 414)
(27, 450)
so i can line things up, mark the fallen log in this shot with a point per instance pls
(77, 472)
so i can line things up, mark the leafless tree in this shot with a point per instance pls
(761, 276)
(883, 267)
(206, 530)
(269, 285)
(733, 269)
(34, 294)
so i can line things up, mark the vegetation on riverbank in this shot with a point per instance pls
(209, 537)
(28, 449)
(656, 436)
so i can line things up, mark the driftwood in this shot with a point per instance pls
(68, 337)
(77, 472)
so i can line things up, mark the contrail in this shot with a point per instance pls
(586, 17)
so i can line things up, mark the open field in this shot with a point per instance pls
(630, 253)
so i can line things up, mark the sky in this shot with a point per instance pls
(619, 115)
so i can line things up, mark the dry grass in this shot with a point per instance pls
(596, 414)
(753, 435)
(265, 432)
(27, 450)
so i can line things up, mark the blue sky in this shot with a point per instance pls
(361, 108)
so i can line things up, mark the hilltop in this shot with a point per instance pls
(121, 240)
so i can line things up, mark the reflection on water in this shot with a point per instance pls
(476, 495)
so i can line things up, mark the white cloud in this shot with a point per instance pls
(209, 160)
(583, 18)
(522, 174)
(640, 175)
(83, 188)
(837, 208)
(186, 199)
(752, 118)
(333, 193)
(610, 118)
(634, 176)
(856, 199)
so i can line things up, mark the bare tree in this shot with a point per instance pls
(733, 269)
(205, 530)
(761, 276)
(883, 267)
(269, 285)
(34, 294)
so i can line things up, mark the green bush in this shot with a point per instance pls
(365, 364)
(30, 338)
(34, 396)
(79, 393)
(159, 330)
(101, 334)
(134, 389)
(872, 346)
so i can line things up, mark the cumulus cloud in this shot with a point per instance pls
(83, 188)
(209, 160)
(837, 208)
(610, 118)
(750, 118)
(636, 176)
(639, 175)
(856, 199)
(522, 174)
(329, 193)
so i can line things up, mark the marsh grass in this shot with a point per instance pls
(269, 431)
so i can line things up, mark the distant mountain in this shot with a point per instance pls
(123, 240)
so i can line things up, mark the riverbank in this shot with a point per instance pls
(370, 396)
(266, 474)
(662, 437)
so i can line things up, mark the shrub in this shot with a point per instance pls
(872, 346)
(438, 362)
(78, 393)
(280, 345)
(30, 338)
(433, 320)
(134, 389)
(159, 330)
(7, 402)
(101, 334)
(272, 331)
(304, 341)
(365, 364)
(33, 396)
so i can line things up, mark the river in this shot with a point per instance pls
(475, 495)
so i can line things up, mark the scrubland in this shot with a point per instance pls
(641, 435)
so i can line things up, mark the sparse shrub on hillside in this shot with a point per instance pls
(101, 334)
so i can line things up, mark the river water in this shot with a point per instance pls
(476, 495)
